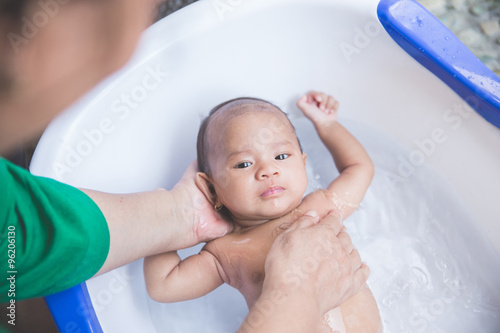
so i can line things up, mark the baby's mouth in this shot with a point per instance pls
(273, 190)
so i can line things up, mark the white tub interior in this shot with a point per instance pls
(429, 226)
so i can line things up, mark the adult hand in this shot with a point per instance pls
(311, 268)
(318, 257)
(194, 209)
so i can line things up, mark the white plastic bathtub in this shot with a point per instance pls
(429, 226)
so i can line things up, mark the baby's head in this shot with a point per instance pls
(250, 161)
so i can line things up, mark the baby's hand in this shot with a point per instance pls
(320, 108)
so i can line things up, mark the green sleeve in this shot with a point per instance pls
(59, 235)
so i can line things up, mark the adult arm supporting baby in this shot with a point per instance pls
(352, 161)
(168, 279)
(147, 223)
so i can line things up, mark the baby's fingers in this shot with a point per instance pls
(320, 99)
(332, 104)
(308, 106)
(303, 102)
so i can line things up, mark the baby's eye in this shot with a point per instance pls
(281, 156)
(243, 165)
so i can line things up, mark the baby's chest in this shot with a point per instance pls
(243, 257)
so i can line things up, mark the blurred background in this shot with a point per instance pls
(475, 22)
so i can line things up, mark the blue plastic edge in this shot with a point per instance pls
(430, 42)
(72, 310)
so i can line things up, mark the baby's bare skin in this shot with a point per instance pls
(253, 166)
(242, 255)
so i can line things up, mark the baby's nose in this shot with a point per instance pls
(267, 171)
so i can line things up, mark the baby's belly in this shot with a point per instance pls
(359, 314)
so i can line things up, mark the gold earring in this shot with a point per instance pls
(217, 207)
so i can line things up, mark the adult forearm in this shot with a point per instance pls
(140, 224)
(148, 223)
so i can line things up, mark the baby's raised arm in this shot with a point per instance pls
(168, 279)
(355, 166)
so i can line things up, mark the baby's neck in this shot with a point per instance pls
(243, 224)
(248, 223)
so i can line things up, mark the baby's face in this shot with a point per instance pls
(258, 169)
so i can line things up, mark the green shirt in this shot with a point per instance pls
(53, 236)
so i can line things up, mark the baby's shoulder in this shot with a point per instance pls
(316, 198)
(216, 242)
(320, 200)
(220, 244)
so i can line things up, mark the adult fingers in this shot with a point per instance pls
(360, 277)
(192, 167)
(332, 222)
(355, 259)
(308, 219)
(190, 172)
(346, 241)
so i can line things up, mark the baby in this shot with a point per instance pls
(253, 170)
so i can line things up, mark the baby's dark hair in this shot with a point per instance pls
(201, 144)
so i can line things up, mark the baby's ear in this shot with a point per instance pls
(205, 185)
(304, 156)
